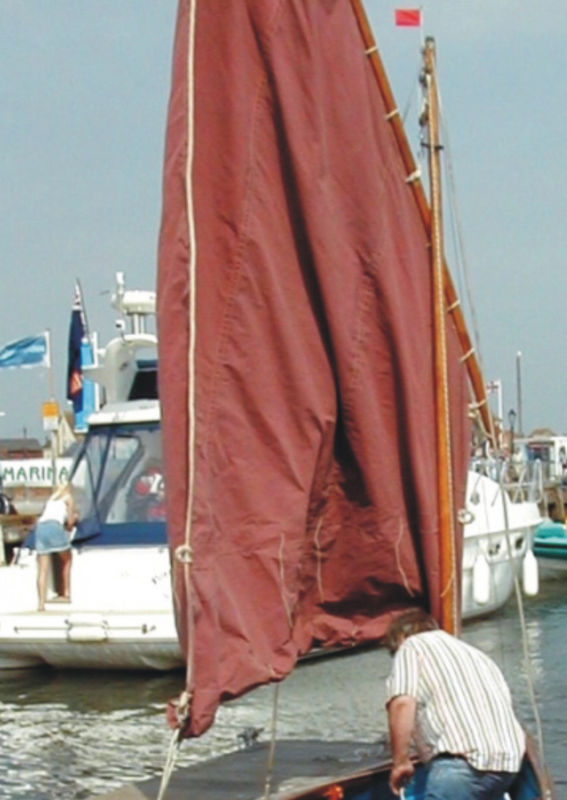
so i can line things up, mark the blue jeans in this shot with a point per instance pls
(452, 778)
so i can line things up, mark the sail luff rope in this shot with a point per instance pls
(183, 554)
(192, 321)
(192, 261)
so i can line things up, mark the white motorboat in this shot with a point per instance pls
(498, 538)
(120, 615)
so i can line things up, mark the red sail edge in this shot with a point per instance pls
(295, 348)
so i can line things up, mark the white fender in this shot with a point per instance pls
(530, 574)
(481, 580)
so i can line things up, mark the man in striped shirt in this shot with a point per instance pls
(453, 701)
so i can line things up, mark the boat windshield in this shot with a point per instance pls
(117, 480)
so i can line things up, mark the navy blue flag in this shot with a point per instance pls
(33, 351)
(77, 333)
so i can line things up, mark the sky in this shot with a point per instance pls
(84, 89)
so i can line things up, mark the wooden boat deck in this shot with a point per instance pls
(241, 775)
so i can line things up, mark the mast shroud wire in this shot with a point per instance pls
(473, 368)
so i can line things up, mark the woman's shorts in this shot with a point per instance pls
(51, 537)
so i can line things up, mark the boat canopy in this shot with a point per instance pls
(118, 487)
(295, 349)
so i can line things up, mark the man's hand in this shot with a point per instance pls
(401, 719)
(400, 775)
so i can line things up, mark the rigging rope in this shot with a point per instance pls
(460, 254)
(525, 648)
(457, 227)
(460, 258)
(271, 754)
(169, 766)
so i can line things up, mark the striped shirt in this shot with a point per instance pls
(463, 702)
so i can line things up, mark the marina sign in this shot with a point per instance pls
(33, 472)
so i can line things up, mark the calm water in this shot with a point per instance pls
(73, 735)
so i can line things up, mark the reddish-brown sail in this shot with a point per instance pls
(296, 352)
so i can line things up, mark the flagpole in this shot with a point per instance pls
(83, 309)
(51, 390)
(50, 378)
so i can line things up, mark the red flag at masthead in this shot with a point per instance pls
(408, 17)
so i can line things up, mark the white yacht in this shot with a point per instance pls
(120, 614)
(499, 530)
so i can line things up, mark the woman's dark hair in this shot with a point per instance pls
(414, 621)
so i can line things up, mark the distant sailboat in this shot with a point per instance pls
(314, 394)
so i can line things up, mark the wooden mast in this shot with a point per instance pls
(445, 495)
(453, 304)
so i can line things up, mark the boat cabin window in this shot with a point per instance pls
(145, 383)
(118, 477)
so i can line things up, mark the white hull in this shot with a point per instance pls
(499, 531)
(501, 586)
(121, 611)
(120, 615)
(141, 641)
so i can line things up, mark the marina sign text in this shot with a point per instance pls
(33, 472)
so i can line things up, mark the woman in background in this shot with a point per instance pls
(52, 535)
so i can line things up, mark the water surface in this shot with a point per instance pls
(71, 735)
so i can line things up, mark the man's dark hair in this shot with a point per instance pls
(407, 624)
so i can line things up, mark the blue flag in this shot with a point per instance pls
(33, 351)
